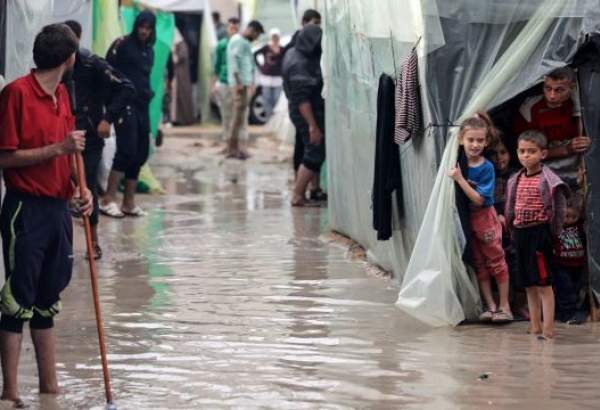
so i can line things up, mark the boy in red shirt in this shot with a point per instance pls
(36, 140)
(535, 210)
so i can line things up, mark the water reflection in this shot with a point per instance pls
(224, 297)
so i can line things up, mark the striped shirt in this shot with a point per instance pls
(529, 206)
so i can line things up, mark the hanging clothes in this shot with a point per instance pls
(408, 101)
(388, 176)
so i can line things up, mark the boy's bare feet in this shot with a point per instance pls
(18, 403)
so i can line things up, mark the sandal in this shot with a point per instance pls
(136, 212)
(303, 203)
(502, 317)
(318, 195)
(111, 209)
(486, 316)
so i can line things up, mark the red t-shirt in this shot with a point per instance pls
(30, 119)
(557, 124)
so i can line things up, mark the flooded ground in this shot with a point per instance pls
(225, 297)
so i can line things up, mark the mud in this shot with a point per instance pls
(225, 297)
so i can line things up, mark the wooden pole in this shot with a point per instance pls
(94, 278)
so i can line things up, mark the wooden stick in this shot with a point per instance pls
(94, 278)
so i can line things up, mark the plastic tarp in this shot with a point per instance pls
(356, 52)
(2, 36)
(470, 59)
(106, 25)
(24, 19)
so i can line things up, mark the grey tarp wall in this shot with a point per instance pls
(2, 35)
(464, 41)
(589, 82)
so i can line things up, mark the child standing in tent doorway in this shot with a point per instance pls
(536, 208)
(477, 133)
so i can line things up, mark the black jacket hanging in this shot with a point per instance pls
(388, 177)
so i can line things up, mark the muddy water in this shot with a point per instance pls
(224, 297)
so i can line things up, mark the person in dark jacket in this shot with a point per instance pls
(133, 56)
(100, 96)
(303, 83)
(310, 16)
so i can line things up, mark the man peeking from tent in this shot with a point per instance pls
(557, 116)
(36, 143)
(133, 56)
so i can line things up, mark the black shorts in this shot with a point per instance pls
(313, 156)
(133, 141)
(37, 236)
(534, 254)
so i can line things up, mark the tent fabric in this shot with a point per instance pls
(189, 6)
(24, 19)
(106, 25)
(588, 64)
(469, 61)
(2, 36)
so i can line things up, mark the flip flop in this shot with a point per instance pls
(318, 195)
(111, 209)
(486, 316)
(136, 212)
(502, 317)
(305, 204)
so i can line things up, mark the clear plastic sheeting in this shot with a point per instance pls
(507, 11)
(352, 65)
(24, 19)
(436, 287)
(470, 60)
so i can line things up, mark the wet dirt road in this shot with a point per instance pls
(224, 297)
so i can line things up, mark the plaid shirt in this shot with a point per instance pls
(529, 207)
(554, 193)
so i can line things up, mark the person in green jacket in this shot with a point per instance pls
(221, 90)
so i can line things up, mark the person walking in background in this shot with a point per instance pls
(221, 89)
(310, 16)
(37, 141)
(101, 94)
(303, 83)
(270, 70)
(133, 56)
(240, 66)
(220, 28)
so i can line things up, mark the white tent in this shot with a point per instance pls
(25, 18)
(474, 55)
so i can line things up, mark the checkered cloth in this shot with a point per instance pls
(408, 104)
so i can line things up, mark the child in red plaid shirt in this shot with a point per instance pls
(535, 209)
